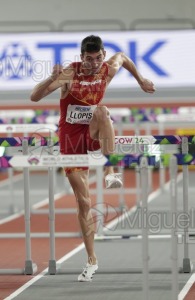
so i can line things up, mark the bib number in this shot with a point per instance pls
(77, 114)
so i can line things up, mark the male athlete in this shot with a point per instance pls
(85, 124)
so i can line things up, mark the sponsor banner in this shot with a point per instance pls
(52, 161)
(165, 57)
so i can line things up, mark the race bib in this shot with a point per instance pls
(77, 114)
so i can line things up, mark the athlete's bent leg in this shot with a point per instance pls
(80, 186)
(101, 128)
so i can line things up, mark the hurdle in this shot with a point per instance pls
(25, 161)
(145, 240)
(186, 110)
(123, 145)
(7, 117)
(39, 145)
(50, 161)
(181, 145)
(189, 110)
(145, 246)
(187, 265)
(174, 121)
(17, 114)
(133, 140)
(174, 233)
(25, 129)
(174, 161)
(119, 116)
(86, 160)
(29, 267)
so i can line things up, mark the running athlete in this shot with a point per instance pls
(85, 124)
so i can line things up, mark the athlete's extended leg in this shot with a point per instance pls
(80, 186)
(101, 129)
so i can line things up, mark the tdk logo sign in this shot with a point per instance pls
(146, 57)
(133, 53)
(15, 62)
(27, 59)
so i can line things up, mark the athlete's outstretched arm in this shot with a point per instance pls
(121, 60)
(59, 77)
(47, 86)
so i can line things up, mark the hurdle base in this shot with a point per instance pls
(30, 268)
(52, 267)
(11, 271)
(187, 266)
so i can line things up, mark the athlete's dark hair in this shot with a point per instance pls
(91, 44)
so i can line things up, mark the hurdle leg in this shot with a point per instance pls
(187, 264)
(137, 126)
(12, 209)
(161, 167)
(138, 186)
(30, 268)
(52, 261)
(174, 233)
(162, 176)
(122, 205)
(145, 246)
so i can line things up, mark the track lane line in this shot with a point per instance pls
(187, 287)
(43, 273)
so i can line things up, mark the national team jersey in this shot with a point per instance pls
(76, 109)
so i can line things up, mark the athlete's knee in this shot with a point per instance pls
(102, 113)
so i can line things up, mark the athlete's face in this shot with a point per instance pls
(92, 62)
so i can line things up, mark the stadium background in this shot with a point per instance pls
(110, 15)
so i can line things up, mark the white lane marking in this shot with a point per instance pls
(35, 206)
(187, 287)
(11, 218)
(15, 178)
(46, 201)
(44, 272)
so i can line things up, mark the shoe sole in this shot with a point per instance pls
(85, 280)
